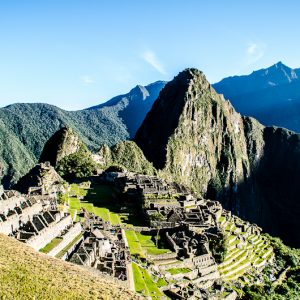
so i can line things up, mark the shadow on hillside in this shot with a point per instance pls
(104, 196)
(269, 196)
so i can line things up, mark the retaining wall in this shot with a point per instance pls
(49, 233)
(73, 232)
(13, 222)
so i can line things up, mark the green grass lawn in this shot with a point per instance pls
(141, 244)
(114, 218)
(144, 284)
(96, 200)
(134, 243)
(77, 191)
(148, 244)
(51, 245)
(175, 271)
(161, 282)
(74, 203)
(102, 212)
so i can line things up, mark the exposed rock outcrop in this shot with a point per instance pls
(62, 143)
(195, 137)
(69, 155)
(43, 176)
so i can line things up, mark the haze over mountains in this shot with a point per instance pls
(271, 95)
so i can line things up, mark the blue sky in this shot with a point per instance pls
(79, 53)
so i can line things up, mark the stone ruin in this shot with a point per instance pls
(104, 249)
(42, 179)
(35, 220)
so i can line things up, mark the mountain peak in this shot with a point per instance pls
(190, 73)
(280, 64)
(190, 77)
(62, 143)
(179, 101)
(275, 75)
(140, 90)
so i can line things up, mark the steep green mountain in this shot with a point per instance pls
(270, 95)
(25, 128)
(62, 143)
(126, 154)
(69, 155)
(14, 157)
(195, 137)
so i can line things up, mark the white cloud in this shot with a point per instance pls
(254, 52)
(150, 57)
(87, 79)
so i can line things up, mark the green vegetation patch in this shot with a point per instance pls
(134, 243)
(51, 245)
(144, 284)
(71, 244)
(175, 271)
(97, 200)
(77, 165)
(129, 155)
(148, 244)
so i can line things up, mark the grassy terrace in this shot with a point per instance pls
(99, 200)
(175, 271)
(64, 250)
(144, 284)
(239, 261)
(51, 245)
(141, 244)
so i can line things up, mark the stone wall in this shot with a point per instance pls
(13, 222)
(208, 270)
(203, 261)
(10, 203)
(162, 256)
(171, 242)
(187, 263)
(232, 296)
(190, 275)
(71, 250)
(49, 233)
(72, 233)
(211, 276)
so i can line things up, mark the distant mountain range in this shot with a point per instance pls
(270, 95)
(25, 128)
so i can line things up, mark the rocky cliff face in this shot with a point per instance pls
(63, 143)
(43, 176)
(69, 155)
(195, 137)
